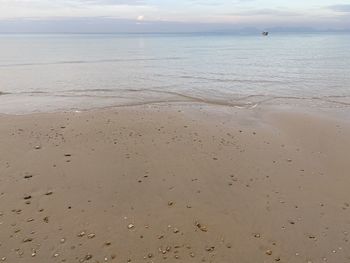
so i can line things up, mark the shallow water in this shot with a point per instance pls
(76, 72)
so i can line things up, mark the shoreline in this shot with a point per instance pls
(61, 103)
(174, 183)
(262, 110)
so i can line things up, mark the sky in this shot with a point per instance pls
(170, 15)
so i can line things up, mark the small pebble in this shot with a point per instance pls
(201, 227)
(27, 197)
(88, 257)
(209, 249)
(28, 239)
(81, 234)
(90, 236)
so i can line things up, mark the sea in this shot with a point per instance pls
(77, 72)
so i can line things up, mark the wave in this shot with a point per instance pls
(33, 92)
(156, 95)
(322, 99)
(91, 90)
(235, 103)
(220, 80)
(24, 93)
(87, 61)
(120, 94)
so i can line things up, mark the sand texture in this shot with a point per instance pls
(174, 183)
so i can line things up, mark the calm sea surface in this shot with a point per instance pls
(76, 72)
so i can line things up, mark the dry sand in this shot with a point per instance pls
(174, 183)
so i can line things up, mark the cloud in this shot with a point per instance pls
(112, 2)
(340, 8)
(218, 3)
(18, 9)
(220, 13)
(265, 12)
(116, 25)
(37, 4)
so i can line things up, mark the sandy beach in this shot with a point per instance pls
(174, 183)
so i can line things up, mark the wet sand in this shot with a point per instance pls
(174, 183)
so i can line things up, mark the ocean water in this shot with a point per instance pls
(40, 73)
